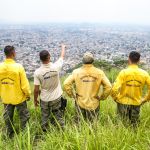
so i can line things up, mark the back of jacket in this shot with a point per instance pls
(129, 86)
(14, 86)
(88, 80)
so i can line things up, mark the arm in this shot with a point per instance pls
(106, 87)
(117, 85)
(59, 63)
(25, 84)
(36, 89)
(62, 51)
(147, 97)
(36, 94)
(68, 86)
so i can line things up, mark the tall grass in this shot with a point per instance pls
(107, 134)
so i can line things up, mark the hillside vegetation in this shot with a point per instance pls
(108, 134)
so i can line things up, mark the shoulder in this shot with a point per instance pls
(1, 64)
(19, 66)
(76, 71)
(98, 71)
(144, 72)
(37, 71)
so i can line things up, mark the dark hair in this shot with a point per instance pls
(134, 56)
(44, 55)
(8, 50)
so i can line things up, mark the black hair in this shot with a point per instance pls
(44, 55)
(8, 50)
(134, 56)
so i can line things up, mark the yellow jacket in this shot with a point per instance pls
(129, 84)
(87, 81)
(14, 85)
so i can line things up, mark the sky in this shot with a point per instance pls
(103, 11)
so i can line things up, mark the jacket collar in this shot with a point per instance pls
(133, 66)
(46, 65)
(9, 60)
(87, 65)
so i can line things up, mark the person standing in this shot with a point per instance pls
(127, 89)
(84, 85)
(14, 90)
(47, 83)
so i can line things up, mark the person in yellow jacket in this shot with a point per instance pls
(128, 87)
(87, 81)
(14, 90)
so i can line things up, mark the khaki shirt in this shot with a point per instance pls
(47, 76)
(87, 81)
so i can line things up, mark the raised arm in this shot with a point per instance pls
(59, 63)
(63, 46)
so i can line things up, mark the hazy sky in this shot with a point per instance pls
(122, 11)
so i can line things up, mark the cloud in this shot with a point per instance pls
(131, 11)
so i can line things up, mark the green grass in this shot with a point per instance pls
(108, 134)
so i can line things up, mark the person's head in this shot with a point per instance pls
(134, 57)
(10, 52)
(88, 58)
(45, 56)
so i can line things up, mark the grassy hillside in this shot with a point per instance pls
(108, 134)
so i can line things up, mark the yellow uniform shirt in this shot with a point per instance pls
(129, 84)
(87, 81)
(14, 85)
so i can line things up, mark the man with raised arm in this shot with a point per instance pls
(84, 86)
(14, 90)
(127, 89)
(47, 84)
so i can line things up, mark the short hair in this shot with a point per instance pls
(8, 50)
(44, 55)
(134, 56)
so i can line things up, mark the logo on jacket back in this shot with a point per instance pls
(7, 81)
(88, 78)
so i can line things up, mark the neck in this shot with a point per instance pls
(10, 58)
(46, 62)
(133, 64)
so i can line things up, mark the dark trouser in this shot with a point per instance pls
(52, 110)
(9, 113)
(129, 112)
(88, 115)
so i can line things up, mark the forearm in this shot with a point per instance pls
(68, 91)
(105, 94)
(62, 51)
(36, 94)
(147, 97)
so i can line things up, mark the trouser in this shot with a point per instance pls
(129, 112)
(88, 115)
(9, 113)
(51, 111)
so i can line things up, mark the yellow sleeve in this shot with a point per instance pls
(24, 83)
(147, 97)
(117, 85)
(0, 91)
(106, 87)
(68, 85)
